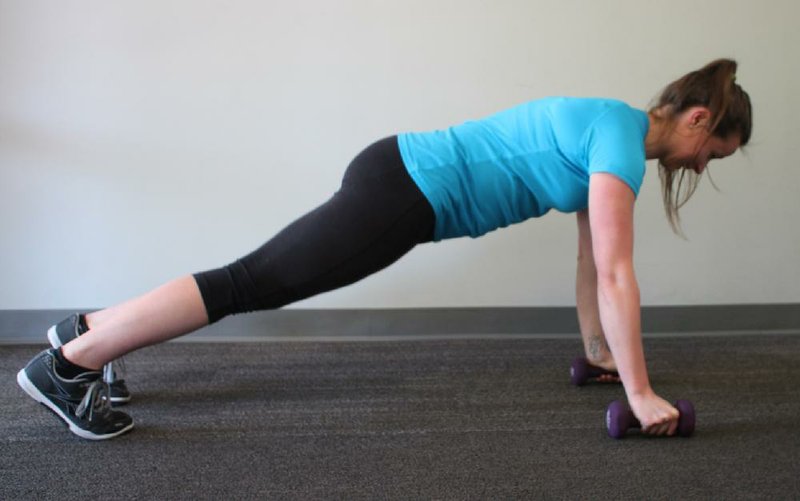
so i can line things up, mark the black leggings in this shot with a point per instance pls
(377, 216)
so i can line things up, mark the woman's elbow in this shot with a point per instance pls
(616, 276)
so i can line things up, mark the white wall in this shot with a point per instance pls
(144, 140)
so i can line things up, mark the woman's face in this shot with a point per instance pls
(691, 146)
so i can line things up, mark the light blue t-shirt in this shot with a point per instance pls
(523, 162)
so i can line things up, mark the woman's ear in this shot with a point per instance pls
(698, 117)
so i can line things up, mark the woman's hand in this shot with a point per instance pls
(655, 414)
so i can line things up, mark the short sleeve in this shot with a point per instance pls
(615, 145)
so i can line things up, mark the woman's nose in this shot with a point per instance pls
(700, 167)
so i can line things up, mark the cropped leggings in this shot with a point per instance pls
(377, 216)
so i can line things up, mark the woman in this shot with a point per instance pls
(574, 155)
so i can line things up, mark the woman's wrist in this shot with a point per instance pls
(640, 393)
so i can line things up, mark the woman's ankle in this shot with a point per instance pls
(68, 369)
(90, 320)
(74, 357)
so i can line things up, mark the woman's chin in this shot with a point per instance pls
(671, 165)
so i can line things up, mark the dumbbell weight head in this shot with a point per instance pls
(618, 419)
(687, 418)
(579, 371)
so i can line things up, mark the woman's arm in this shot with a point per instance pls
(594, 340)
(611, 204)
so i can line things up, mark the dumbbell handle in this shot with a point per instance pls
(620, 417)
(595, 371)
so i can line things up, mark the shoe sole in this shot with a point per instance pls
(120, 400)
(55, 342)
(25, 383)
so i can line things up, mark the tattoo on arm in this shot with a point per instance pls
(598, 346)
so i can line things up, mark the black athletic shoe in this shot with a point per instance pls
(66, 330)
(72, 327)
(82, 402)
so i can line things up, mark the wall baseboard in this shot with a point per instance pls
(30, 326)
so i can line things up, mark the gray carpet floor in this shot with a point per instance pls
(436, 419)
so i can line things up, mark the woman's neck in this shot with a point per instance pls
(654, 140)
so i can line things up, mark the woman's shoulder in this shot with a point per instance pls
(584, 109)
(593, 105)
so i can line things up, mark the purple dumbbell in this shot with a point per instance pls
(581, 371)
(619, 418)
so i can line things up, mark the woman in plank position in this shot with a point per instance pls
(569, 154)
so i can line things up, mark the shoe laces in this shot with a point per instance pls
(96, 401)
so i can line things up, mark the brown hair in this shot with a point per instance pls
(714, 87)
